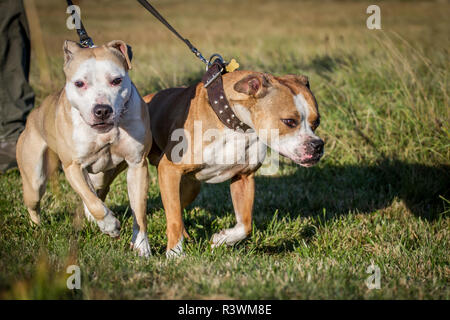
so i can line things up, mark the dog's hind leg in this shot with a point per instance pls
(36, 163)
(243, 194)
(189, 190)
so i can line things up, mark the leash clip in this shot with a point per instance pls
(219, 59)
(87, 43)
(199, 55)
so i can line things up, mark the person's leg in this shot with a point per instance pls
(16, 95)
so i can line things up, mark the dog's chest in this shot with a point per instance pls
(103, 160)
(95, 152)
(229, 154)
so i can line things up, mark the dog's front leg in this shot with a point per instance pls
(243, 194)
(137, 181)
(105, 218)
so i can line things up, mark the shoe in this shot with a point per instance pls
(7, 155)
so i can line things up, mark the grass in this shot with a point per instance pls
(380, 195)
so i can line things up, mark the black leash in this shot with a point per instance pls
(158, 16)
(212, 79)
(85, 40)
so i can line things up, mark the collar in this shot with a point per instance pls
(213, 83)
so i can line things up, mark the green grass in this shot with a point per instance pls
(380, 194)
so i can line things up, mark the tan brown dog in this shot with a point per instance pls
(95, 127)
(191, 144)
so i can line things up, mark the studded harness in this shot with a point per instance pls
(213, 83)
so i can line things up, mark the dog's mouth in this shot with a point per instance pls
(308, 163)
(307, 160)
(103, 126)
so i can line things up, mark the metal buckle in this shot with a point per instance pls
(210, 62)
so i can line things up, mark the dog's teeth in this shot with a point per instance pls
(216, 102)
(221, 97)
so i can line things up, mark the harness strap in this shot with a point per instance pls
(212, 80)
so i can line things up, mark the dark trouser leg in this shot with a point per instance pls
(16, 95)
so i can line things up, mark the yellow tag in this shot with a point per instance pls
(232, 65)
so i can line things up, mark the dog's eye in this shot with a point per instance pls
(315, 124)
(116, 81)
(79, 84)
(291, 123)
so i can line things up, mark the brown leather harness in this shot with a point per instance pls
(218, 101)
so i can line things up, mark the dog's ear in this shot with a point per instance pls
(301, 79)
(304, 80)
(69, 48)
(124, 49)
(253, 85)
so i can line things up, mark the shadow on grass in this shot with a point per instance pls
(325, 191)
(346, 189)
(329, 191)
(323, 65)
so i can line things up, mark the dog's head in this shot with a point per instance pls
(97, 82)
(286, 104)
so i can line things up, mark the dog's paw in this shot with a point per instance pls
(109, 225)
(228, 236)
(176, 251)
(35, 217)
(140, 243)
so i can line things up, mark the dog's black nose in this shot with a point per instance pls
(102, 111)
(317, 145)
